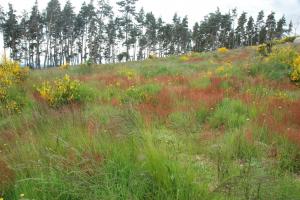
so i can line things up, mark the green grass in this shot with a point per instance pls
(157, 129)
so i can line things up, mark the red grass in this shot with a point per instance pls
(7, 176)
(288, 123)
(159, 106)
(209, 96)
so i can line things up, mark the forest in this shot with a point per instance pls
(101, 34)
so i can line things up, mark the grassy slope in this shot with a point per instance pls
(171, 128)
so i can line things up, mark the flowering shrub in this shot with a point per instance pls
(11, 77)
(284, 56)
(60, 92)
(295, 75)
(184, 58)
(223, 50)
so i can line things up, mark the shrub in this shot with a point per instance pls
(284, 56)
(60, 92)
(223, 50)
(184, 58)
(295, 75)
(282, 62)
(11, 77)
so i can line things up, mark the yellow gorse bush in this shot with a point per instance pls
(11, 75)
(60, 92)
(184, 58)
(285, 55)
(295, 75)
(223, 50)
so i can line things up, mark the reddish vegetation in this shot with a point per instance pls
(279, 85)
(209, 96)
(195, 60)
(181, 80)
(283, 117)
(249, 136)
(158, 107)
(86, 161)
(244, 55)
(7, 176)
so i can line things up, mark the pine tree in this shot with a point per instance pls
(151, 35)
(111, 31)
(225, 30)
(35, 30)
(12, 33)
(271, 26)
(196, 37)
(185, 39)
(240, 30)
(25, 49)
(127, 8)
(250, 31)
(260, 28)
(68, 25)
(141, 39)
(53, 22)
(280, 27)
(81, 31)
(2, 18)
(159, 27)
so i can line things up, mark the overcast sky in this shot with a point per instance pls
(195, 9)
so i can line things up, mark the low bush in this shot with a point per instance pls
(184, 58)
(60, 92)
(11, 90)
(279, 64)
(223, 50)
(295, 74)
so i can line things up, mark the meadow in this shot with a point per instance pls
(221, 125)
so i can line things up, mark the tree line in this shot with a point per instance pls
(97, 34)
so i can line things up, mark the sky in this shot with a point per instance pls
(194, 9)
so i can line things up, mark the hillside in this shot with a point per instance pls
(219, 125)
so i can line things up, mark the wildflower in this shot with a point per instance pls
(184, 58)
(223, 50)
